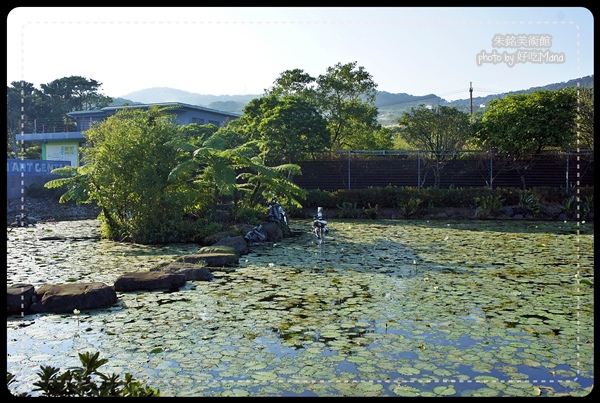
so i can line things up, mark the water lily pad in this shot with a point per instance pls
(408, 370)
(406, 391)
(444, 390)
(330, 335)
(277, 320)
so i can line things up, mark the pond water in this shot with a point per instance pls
(382, 308)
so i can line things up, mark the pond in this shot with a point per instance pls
(382, 308)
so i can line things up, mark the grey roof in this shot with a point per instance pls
(51, 136)
(147, 106)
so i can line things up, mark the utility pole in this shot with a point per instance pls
(471, 95)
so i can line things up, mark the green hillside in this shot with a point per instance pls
(391, 106)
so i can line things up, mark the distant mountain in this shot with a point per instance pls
(227, 103)
(391, 106)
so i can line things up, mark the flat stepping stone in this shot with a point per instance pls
(62, 298)
(211, 259)
(149, 280)
(192, 272)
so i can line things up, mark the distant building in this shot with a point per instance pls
(66, 145)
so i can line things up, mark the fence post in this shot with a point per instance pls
(418, 169)
(491, 168)
(348, 169)
(567, 173)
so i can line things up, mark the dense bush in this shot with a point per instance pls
(413, 202)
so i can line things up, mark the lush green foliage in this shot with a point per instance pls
(157, 182)
(85, 381)
(436, 130)
(529, 123)
(413, 201)
(287, 128)
(345, 98)
(48, 108)
(585, 117)
(130, 159)
(127, 173)
(224, 174)
(439, 132)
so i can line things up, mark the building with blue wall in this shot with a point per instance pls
(66, 145)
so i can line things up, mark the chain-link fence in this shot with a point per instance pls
(355, 169)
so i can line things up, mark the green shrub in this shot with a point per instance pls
(412, 208)
(348, 210)
(487, 200)
(488, 205)
(371, 211)
(248, 215)
(85, 381)
(320, 198)
(586, 206)
(529, 202)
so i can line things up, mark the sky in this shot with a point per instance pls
(242, 50)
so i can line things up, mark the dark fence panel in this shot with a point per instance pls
(354, 170)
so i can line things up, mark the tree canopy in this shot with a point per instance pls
(437, 131)
(529, 123)
(585, 117)
(33, 110)
(287, 128)
(345, 97)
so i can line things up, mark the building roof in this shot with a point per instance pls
(178, 105)
(111, 110)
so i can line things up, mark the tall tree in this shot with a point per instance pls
(529, 123)
(362, 132)
(440, 132)
(293, 82)
(24, 106)
(126, 173)
(346, 93)
(521, 126)
(345, 97)
(32, 110)
(75, 93)
(287, 128)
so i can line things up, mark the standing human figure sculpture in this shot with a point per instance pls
(319, 227)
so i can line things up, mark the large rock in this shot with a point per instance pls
(273, 231)
(217, 249)
(61, 298)
(237, 242)
(217, 236)
(149, 280)
(192, 272)
(18, 298)
(211, 259)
